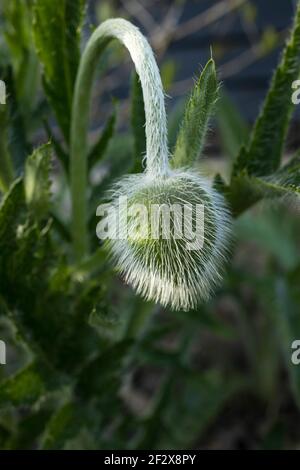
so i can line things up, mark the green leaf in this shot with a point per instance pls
(138, 120)
(174, 120)
(37, 182)
(60, 152)
(27, 386)
(191, 137)
(234, 131)
(56, 28)
(99, 149)
(263, 153)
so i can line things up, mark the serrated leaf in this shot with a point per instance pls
(117, 161)
(138, 120)
(56, 29)
(98, 150)
(192, 133)
(29, 429)
(234, 131)
(37, 182)
(24, 256)
(219, 183)
(263, 153)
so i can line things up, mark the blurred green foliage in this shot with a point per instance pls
(92, 366)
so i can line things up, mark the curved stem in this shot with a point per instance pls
(156, 123)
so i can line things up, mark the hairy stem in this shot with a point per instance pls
(156, 125)
(6, 167)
